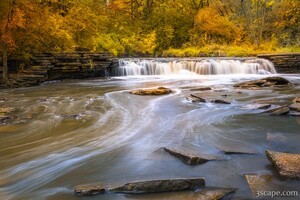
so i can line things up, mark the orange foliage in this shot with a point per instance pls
(214, 26)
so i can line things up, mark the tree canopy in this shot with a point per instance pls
(146, 27)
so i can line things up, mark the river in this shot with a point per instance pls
(75, 132)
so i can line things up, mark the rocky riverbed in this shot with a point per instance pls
(200, 138)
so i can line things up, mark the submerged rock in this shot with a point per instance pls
(214, 193)
(88, 190)
(265, 82)
(282, 110)
(166, 185)
(287, 164)
(157, 91)
(257, 106)
(201, 89)
(188, 157)
(295, 107)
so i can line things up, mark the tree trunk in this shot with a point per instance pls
(5, 66)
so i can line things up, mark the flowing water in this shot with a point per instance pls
(93, 131)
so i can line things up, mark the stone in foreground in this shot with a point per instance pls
(157, 91)
(214, 193)
(237, 150)
(167, 185)
(259, 182)
(282, 110)
(265, 82)
(188, 157)
(287, 165)
(88, 190)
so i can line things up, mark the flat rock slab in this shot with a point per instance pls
(88, 190)
(282, 110)
(156, 91)
(265, 82)
(257, 106)
(287, 165)
(213, 193)
(200, 89)
(188, 157)
(166, 185)
(295, 107)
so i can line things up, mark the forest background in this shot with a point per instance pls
(150, 27)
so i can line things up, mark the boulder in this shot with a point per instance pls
(166, 185)
(295, 107)
(214, 193)
(287, 164)
(157, 91)
(88, 190)
(198, 97)
(188, 157)
(265, 82)
(257, 106)
(281, 110)
(296, 100)
(201, 89)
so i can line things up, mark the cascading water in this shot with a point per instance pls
(203, 67)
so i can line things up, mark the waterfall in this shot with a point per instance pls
(138, 67)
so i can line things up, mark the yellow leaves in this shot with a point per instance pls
(211, 23)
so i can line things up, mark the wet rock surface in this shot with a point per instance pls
(166, 185)
(88, 190)
(214, 193)
(188, 157)
(265, 82)
(286, 164)
(157, 91)
(237, 150)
